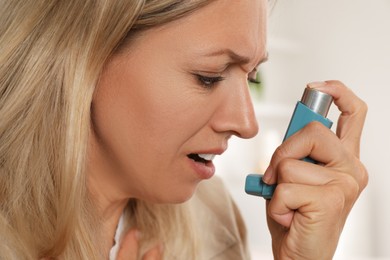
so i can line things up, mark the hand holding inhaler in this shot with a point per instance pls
(314, 106)
(312, 201)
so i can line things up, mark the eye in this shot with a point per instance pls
(254, 77)
(207, 81)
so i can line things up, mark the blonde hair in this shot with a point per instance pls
(51, 56)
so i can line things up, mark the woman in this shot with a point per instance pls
(111, 113)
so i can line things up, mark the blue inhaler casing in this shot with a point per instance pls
(314, 106)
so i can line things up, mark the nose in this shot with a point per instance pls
(235, 113)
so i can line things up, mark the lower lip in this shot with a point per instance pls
(203, 170)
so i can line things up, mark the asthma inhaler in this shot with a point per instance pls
(314, 106)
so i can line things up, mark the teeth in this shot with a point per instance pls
(207, 157)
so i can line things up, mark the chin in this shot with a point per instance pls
(178, 197)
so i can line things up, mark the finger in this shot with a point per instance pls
(300, 172)
(154, 253)
(310, 203)
(129, 246)
(315, 141)
(353, 113)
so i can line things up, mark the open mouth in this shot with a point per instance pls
(201, 158)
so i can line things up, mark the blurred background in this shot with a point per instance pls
(316, 40)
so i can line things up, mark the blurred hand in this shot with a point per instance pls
(129, 248)
(311, 202)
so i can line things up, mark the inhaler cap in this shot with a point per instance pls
(317, 101)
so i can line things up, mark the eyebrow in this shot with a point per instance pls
(236, 57)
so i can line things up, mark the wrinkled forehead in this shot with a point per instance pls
(239, 26)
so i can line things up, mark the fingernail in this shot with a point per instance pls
(268, 174)
(316, 84)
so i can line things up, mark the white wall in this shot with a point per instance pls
(312, 40)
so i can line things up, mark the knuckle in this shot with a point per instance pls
(281, 152)
(284, 170)
(364, 107)
(362, 177)
(336, 199)
(285, 190)
(315, 127)
(351, 187)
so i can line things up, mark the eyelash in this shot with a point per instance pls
(209, 82)
(254, 79)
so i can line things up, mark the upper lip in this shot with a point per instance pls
(216, 151)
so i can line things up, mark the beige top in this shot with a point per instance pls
(224, 236)
(222, 233)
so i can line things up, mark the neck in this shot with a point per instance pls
(104, 187)
(110, 210)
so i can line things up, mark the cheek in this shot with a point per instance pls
(142, 127)
(135, 117)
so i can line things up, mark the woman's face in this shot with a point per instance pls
(170, 101)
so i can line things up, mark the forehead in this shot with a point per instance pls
(243, 18)
(239, 26)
